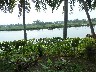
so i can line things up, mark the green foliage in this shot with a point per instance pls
(36, 25)
(7, 5)
(49, 53)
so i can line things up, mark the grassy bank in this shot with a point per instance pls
(37, 26)
(49, 55)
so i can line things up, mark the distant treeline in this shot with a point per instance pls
(46, 25)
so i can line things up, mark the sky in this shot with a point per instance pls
(7, 18)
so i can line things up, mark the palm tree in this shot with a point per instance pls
(65, 19)
(89, 19)
(25, 34)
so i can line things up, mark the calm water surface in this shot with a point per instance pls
(43, 33)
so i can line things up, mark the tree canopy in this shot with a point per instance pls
(8, 5)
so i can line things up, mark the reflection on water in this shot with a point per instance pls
(43, 33)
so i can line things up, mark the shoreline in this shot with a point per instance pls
(38, 28)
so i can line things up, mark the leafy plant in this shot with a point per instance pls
(46, 53)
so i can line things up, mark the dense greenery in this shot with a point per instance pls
(48, 55)
(46, 25)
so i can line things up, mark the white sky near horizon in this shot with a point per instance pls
(8, 18)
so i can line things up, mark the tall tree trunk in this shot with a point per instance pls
(89, 19)
(65, 19)
(25, 34)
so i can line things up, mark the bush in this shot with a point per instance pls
(45, 52)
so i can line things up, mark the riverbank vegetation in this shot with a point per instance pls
(46, 25)
(49, 55)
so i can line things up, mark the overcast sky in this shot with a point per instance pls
(6, 18)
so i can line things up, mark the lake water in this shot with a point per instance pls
(43, 33)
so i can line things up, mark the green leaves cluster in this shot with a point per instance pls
(52, 52)
(49, 46)
(7, 5)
